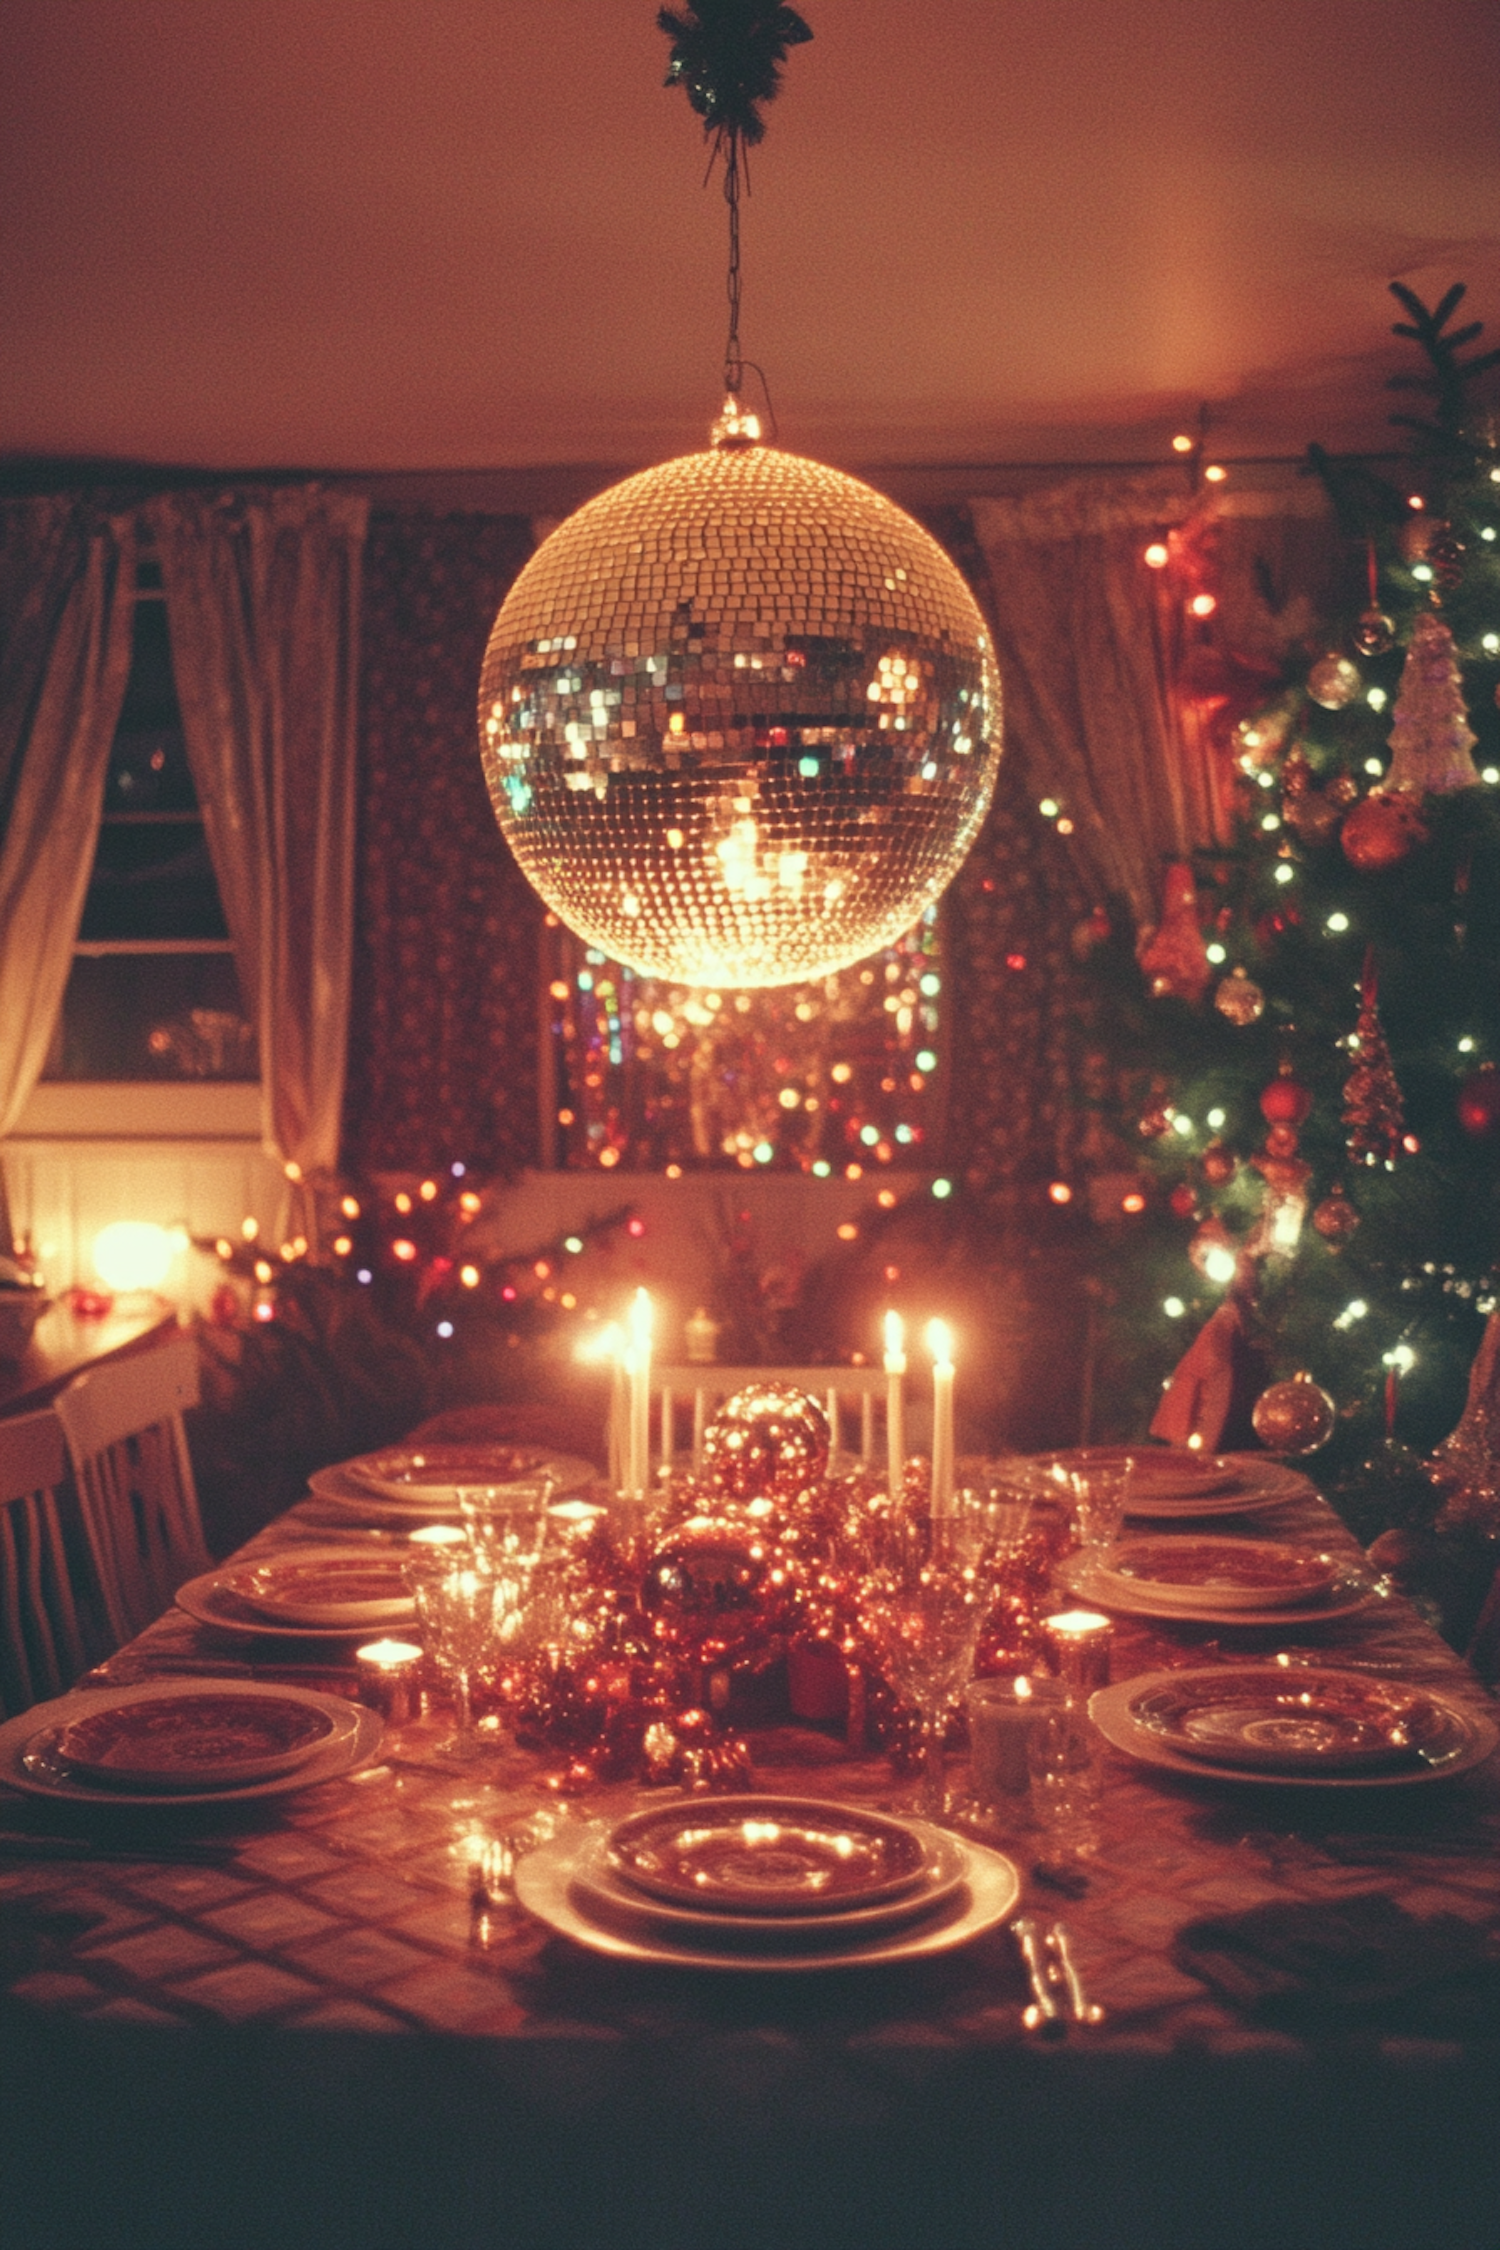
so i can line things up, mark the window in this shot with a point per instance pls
(154, 992)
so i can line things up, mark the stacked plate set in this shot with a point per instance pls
(304, 1593)
(760, 1883)
(1217, 1580)
(1294, 1724)
(183, 1742)
(420, 1484)
(1171, 1481)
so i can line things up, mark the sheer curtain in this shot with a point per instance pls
(1087, 647)
(67, 607)
(263, 594)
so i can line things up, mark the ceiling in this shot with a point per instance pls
(378, 235)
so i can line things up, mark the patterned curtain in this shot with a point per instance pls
(444, 1024)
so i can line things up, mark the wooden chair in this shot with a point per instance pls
(704, 1387)
(125, 1439)
(41, 1644)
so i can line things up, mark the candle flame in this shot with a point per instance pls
(940, 1343)
(895, 1334)
(640, 1321)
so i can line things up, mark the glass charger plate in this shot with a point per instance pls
(603, 1896)
(768, 1854)
(342, 1489)
(208, 1601)
(1469, 1736)
(1348, 1594)
(29, 1760)
(989, 1892)
(337, 1588)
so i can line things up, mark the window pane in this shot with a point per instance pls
(152, 879)
(153, 1015)
(823, 1075)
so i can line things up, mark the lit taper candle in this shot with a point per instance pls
(895, 1404)
(638, 1369)
(940, 1344)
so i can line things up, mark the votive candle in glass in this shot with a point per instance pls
(1078, 1642)
(390, 1679)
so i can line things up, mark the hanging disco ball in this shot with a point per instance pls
(739, 718)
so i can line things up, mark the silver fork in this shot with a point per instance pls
(1056, 1985)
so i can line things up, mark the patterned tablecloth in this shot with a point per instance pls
(549, 2095)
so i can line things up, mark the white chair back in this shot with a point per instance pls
(41, 1645)
(703, 1388)
(123, 1425)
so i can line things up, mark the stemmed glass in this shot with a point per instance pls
(460, 1602)
(507, 1523)
(923, 1601)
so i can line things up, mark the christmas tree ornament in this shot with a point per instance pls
(1219, 1164)
(1314, 816)
(767, 1442)
(1382, 831)
(1153, 1123)
(705, 1592)
(1334, 682)
(1479, 1103)
(1467, 1463)
(1446, 552)
(1431, 739)
(1335, 1218)
(1239, 999)
(1213, 1251)
(1183, 1200)
(1415, 537)
(1375, 633)
(1372, 1098)
(1173, 958)
(739, 715)
(1286, 1101)
(1294, 1417)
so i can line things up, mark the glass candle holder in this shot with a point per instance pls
(390, 1679)
(1078, 1644)
(1002, 1714)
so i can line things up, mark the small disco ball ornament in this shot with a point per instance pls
(1333, 682)
(1294, 1417)
(1335, 1218)
(768, 1442)
(705, 1590)
(1382, 831)
(739, 718)
(1375, 633)
(1239, 998)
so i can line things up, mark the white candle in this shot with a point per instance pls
(941, 1346)
(895, 1404)
(638, 1369)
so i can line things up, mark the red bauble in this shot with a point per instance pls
(1219, 1164)
(1183, 1201)
(1335, 1218)
(1286, 1101)
(1383, 831)
(1479, 1103)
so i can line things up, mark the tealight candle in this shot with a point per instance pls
(432, 1538)
(1078, 1642)
(390, 1674)
(1002, 1713)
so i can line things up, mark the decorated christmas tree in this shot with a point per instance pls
(1306, 1053)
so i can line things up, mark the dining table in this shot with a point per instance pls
(322, 2017)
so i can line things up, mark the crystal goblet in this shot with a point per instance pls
(922, 1605)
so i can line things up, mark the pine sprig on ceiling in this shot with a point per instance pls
(1448, 382)
(727, 55)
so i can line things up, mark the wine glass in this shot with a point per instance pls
(460, 1604)
(922, 1605)
(507, 1523)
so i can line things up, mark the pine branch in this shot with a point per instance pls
(728, 55)
(1449, 377)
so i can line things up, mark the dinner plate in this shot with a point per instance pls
(1157, 1471)
(604, 1896)
(1257, 1483)
(208, 1601)
(988, 1893)
(1216, 1572)
(1349, 1592)
(218, 1736)
(340, 1487)
(335, 1588)
(431, 1472)
(767, 1855)
(29, 1758)
(1129, 1715)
